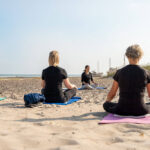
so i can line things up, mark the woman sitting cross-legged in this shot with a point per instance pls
(86, 79)
(131, 81)
(52, 79)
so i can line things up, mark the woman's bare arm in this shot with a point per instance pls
(43, 84)
(113, 91)
(148, 89)
(68, 84)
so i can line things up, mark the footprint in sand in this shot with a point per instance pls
(65, 148)
(3, 134)
(117, 140)
(134, 130)
(67, 142)
(54, 134)
(39, 124)
(41, 114)
(131, 148)
(131, 126)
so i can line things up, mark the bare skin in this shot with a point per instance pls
(68, 84)
(148, 89)
(115, 86)
(113, 91)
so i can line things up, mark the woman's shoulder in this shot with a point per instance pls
(133, 67)
(125, 68)
(83, 74)
(60, 68)
(53, 68)
(118, 71)
(45, 69)
(147, 72)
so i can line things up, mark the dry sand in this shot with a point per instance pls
(72, 127)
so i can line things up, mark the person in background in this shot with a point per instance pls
(52, 79)
(131, 81)
(87, 78)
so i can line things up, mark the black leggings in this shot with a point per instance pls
(112, 108)
(68, 94)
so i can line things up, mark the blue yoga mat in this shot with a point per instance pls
(72, 100)
(3, 98)
(98, 88)
(101, 88)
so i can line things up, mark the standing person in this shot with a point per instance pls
(131, 81)
(52, 79)
(87, 78)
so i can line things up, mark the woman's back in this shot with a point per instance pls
(54, 77)
(132, 81)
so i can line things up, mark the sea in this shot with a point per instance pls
(29, 75)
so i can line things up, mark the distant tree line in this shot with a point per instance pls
(147, 67)
(112, 73)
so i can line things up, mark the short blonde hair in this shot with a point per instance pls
(53, 58)
(134, 52)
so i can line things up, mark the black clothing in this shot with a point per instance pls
(86, 78)
(112, 108)
(68, 94)
(132, 81)
(54, 77)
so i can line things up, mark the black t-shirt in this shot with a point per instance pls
(86, 77)
(53, 77)
(132, 81)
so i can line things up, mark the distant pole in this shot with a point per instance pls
(109, 63)
(124, 60)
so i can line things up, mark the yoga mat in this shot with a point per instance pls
(101, 88)
(112, 118)
(3, 98)
(98, 88)
(72, 100)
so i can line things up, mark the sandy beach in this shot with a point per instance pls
(71, 127)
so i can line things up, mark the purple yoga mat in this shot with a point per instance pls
(111, 118)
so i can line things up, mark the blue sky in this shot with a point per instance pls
(83, 31)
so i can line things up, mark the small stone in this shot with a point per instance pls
(73, 132)
(141, 134)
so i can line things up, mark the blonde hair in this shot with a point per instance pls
(53, 58)
(134, 52)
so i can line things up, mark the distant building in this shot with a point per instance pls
(112, 71)
(95, 74)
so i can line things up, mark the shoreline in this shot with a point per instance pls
(40, 77)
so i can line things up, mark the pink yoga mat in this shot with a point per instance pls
(111, 118)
